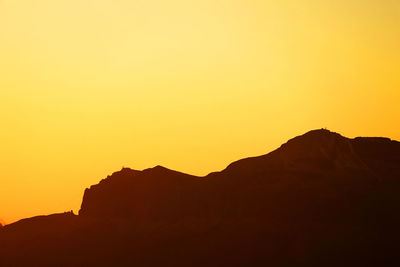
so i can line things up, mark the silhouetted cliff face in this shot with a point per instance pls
(318, 168)
(320, 151)
(154, 193)
(319, 200)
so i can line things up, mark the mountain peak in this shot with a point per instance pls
(317, 139)
(318, 135)
(309, 194)
(320, 131)
(158, 168)
(125, 171)
(314, 146)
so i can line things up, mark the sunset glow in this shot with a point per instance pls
(87, 87)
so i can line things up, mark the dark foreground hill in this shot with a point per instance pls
(319, 200)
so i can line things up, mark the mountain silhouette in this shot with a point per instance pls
(321, 199)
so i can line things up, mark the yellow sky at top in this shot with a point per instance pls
(87, 87)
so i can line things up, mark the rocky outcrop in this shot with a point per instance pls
(321, 199)
(320, 166)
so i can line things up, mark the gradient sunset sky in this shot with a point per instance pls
(87, 87)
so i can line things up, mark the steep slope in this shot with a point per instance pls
(319, 165)
(319, 200)
(149, 194)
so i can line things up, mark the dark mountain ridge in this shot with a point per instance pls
(320, 199)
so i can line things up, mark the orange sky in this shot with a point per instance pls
(87, 87)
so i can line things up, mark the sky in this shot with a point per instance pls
(90, 86)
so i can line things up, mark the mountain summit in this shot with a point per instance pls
(320, 199)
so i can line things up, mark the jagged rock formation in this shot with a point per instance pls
(320, 199)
